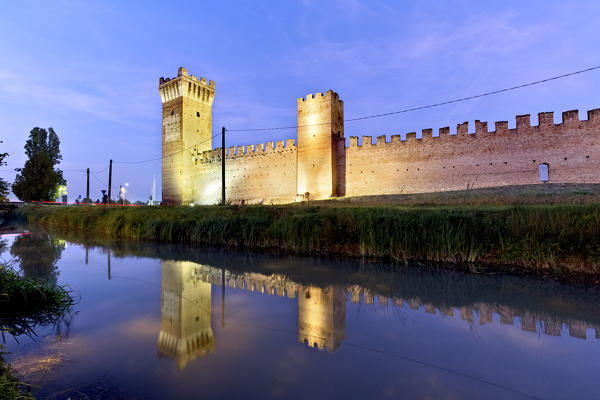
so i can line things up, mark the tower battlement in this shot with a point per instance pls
(309, 98)
(186, 85)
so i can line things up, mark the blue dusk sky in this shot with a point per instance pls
(90, 69)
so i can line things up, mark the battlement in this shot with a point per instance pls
(311, 98)
(186, 85)
(316, 342)
(546, 125)
(252, 150)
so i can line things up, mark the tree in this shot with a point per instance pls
(4, 188)
(38, 180)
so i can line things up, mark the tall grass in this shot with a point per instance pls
(558, 238)
(24, 304)
(10, 387)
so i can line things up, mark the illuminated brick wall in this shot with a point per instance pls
(479, 159)
(321, 165)
(262, 173)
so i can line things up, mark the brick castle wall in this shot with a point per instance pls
(448, 162)
(261, 173)
(321, 164)
(479, 159)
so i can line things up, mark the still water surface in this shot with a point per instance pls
(173, 322)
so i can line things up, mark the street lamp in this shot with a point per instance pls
(122, 191)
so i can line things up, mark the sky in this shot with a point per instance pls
(90, 70)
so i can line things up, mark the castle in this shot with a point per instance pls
(320, 166)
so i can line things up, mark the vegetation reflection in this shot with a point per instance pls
(38, 254)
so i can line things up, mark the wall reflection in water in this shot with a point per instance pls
(186, 331)
(185, 327)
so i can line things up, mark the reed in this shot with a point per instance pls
(556, 238)
(10, 387)
(25, 304)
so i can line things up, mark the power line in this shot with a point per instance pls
(401, 357)
(98, 179)
(426, 106)
(102, 170)
(168, 155)
(367, 116)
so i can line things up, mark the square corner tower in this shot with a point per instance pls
(186, 129)
(320, 144)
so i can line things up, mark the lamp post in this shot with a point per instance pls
(123, 191)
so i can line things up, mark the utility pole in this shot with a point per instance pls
(87, 191)
(109, 179)
(223, 166)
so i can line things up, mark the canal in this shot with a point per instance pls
(166, 321)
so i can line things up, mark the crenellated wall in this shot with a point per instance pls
(481, 158)
(321, 166)
(262, 173)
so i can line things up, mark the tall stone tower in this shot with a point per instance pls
(322, 316)
(321, 149)
(186, 126)
(185, 325)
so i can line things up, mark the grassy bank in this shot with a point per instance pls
(545, 238)
(25, 304)
(518, 195)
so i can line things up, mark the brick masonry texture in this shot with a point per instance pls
(320, 165)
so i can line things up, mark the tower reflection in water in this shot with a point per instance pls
(322, 316)
(185, 326)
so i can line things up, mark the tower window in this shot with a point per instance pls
(172, 111)
(197, 113)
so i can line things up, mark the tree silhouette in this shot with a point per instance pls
(38, 180)
(4, 187)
